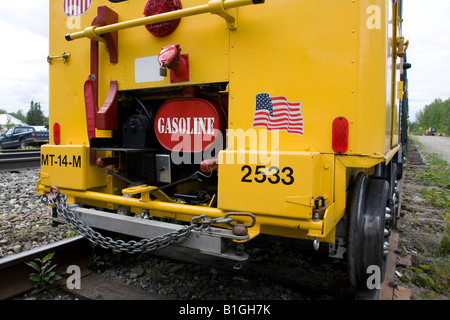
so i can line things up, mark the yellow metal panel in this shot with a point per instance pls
(208, 63)
(66, 101)
(373, 91)
(285, 189)
(68, 167)
(400, 90)
(203, 37)
(303, 50)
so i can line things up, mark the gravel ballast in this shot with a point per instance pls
(24, 220)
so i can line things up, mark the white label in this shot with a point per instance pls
(147, 70)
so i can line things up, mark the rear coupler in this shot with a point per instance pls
(200, 234)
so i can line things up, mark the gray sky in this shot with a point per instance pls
(24, 38)
(23, 56)
(427, 26)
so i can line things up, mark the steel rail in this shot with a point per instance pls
(18, 154)
(19, 159)
(14, 272)
(21, 151)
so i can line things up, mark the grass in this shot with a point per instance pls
(436, 180)
(433, 278)
(439, 172)
(431, 272)
(437, 184)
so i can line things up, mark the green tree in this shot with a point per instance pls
(436, 114)
(19, 115)
(445, 117)
(35, 116)
(45, 121)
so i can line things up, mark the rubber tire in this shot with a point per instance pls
(23, 144)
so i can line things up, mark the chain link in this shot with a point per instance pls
(59, 201)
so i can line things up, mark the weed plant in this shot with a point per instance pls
(432, 273)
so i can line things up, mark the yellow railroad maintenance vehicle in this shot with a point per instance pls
(230, 118)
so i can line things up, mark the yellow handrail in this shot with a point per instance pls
(218, 7)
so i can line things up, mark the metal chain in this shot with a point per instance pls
(59, 201)
(206, 223)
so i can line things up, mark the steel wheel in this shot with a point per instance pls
(366, 232)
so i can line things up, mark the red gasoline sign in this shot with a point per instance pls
(188, 125)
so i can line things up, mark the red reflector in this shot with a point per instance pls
(57, 133)
(340, 135)
(153, 7)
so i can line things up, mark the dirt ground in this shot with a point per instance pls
(439, 145)
(424, 225)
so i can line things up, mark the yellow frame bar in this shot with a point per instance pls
(367, 162)
(394, 70)
(218, 7)
(172, 207)
(317, 227)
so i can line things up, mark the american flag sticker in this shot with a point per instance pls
(277, 113)
(73, 8)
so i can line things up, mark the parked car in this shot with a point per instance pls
(23, 136)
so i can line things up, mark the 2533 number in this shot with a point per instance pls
(272, 175)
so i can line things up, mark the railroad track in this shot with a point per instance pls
(76, 251)
(18, 159)
(311, 279)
